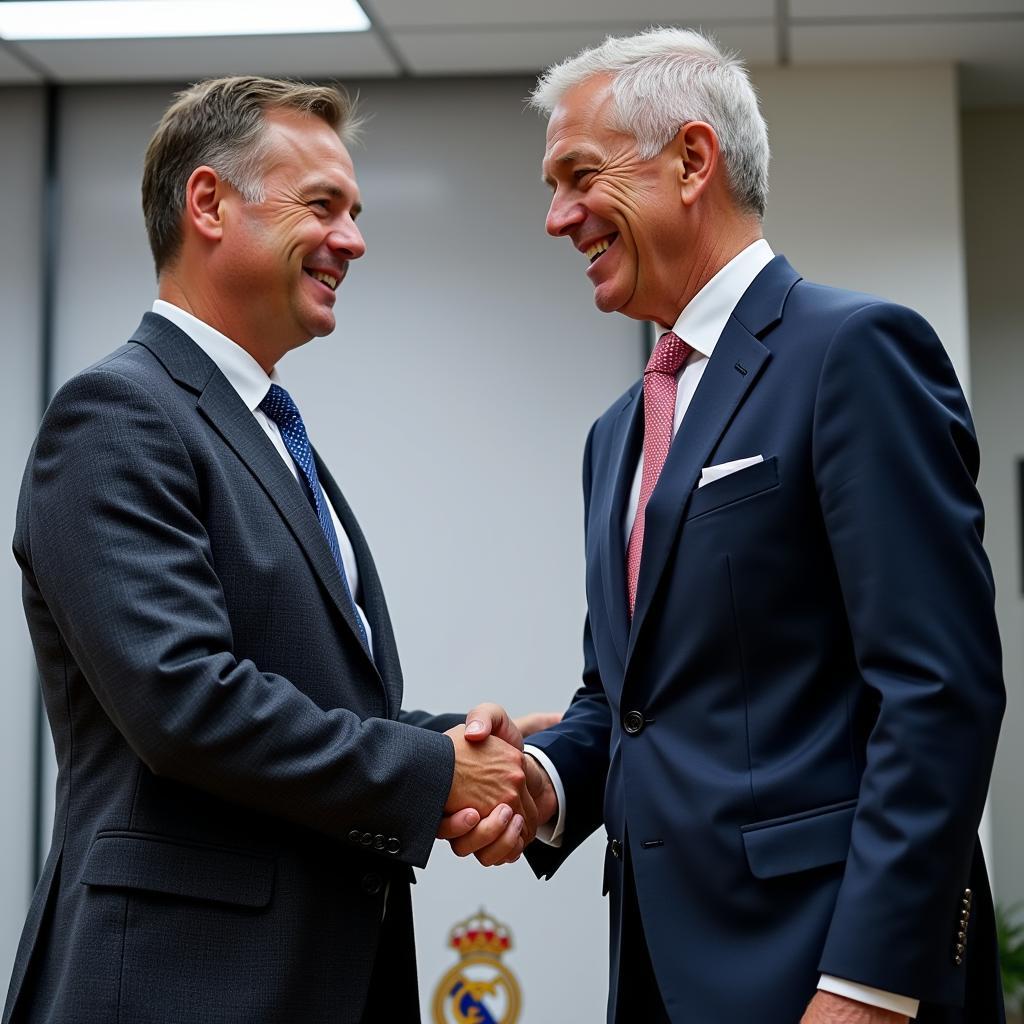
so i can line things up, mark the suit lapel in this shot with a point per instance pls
(230, 417)
(384, 649)
(732, 371)
(627, 440)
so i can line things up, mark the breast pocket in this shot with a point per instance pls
(736, 487)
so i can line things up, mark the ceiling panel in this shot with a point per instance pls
(343, 55)
(400, 14)
(529, 51)
(870, 43)
(897, 8)
(991, 70)
(13, 71)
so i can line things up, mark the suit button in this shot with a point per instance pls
(372, 883)
(355, 835)
(378, 842)
(394, 845)
(633, 722)
(366, 839)
(616, 848)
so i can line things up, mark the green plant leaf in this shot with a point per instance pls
(1010, 933)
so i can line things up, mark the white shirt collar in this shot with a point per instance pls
(704, 317)
(244, 374)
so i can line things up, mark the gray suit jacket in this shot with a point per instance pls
(235, 792)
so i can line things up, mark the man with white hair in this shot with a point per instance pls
(792, 687)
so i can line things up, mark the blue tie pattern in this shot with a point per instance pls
(279, 407)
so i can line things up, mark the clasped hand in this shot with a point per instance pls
(499, 795)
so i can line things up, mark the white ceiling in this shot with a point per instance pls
(488, 37)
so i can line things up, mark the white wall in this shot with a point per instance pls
(453, 400)
(21, 172)
(865, 185)
(993, 151)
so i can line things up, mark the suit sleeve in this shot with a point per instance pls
(579, 745)
(895, 462)
(427, 720)
(118, 549)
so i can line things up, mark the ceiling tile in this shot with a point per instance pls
(528, 51)
(342, 55)
(14, 71)
(979, 41)
(900, 8)
(607, 14)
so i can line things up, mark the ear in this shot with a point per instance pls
(699, 152)
(204, 194)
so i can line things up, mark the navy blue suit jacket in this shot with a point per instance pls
(235, 792)
(811, 681)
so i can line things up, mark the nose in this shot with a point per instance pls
(563, 216)
(347, 241)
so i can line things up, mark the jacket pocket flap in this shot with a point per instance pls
(798, 842)
(744, 483)
(137, 860)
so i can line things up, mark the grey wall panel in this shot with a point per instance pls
(865, 185)
(105, 273)
(21, 172)
(453, 403)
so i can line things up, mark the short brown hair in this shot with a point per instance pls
(220, 123)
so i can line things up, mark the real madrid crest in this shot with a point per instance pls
(479, 989)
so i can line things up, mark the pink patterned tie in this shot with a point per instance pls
(659, 414)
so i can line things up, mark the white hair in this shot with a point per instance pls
(665, 77)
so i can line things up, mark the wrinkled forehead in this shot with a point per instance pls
(581, 123)
(300, 144)
(584, 107)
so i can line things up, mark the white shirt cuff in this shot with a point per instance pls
(550, 835)
(872, 996)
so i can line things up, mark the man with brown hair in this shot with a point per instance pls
(239, 799)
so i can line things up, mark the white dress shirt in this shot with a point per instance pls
(252, 383)
(700, 325)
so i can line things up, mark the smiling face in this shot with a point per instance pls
(282, 259)
(623, 213)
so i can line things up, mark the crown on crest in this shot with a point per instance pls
(480, 933)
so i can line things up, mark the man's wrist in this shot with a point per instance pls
(879, 997)
(550, 832)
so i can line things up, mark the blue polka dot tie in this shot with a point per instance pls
(279, 407)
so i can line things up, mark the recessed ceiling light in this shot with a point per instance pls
(146, 19)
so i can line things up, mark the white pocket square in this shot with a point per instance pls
(711, 473)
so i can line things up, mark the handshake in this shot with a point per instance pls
(499, 795)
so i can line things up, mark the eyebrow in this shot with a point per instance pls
(571, 157)
(335, 192)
